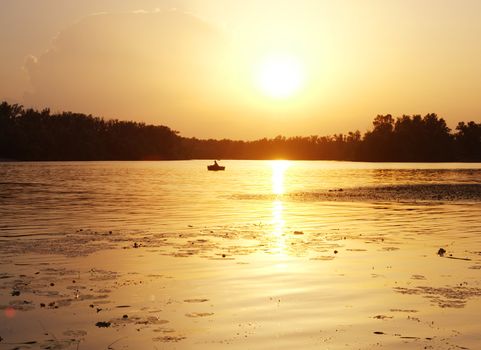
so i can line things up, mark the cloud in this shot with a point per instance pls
(162, 67)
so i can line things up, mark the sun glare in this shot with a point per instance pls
(278, 169)
(280, 76)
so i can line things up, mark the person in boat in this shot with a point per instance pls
(215, 163)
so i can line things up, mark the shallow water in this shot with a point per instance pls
(268, 254)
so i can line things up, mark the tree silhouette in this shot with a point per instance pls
(468, 141)
(27, 134)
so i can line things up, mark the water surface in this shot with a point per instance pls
(267, 254)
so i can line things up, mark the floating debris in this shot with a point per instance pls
(195, 300)
(103, 324)
(456, 258)
(199, 314)
(403, 310)
(444, 297)
(418, 277)
(381, 317)
(169, 339)
(75, 333)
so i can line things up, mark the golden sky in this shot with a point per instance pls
(244, 69)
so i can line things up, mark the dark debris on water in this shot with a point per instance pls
(103, 324)
(441, 251)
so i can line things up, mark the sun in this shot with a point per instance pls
(279, 76)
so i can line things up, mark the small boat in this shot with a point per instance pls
(215, 167)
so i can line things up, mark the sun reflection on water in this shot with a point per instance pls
(278, 224)
(278, 169)
(277, 220)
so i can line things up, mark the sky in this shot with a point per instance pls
(244, 69)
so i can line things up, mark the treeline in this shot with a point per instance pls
(28, 134)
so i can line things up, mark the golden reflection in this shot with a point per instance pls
(278, 169)
(277, 220)
(278, 227)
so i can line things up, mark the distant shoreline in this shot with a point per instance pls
(32, 135)
(2, 160)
